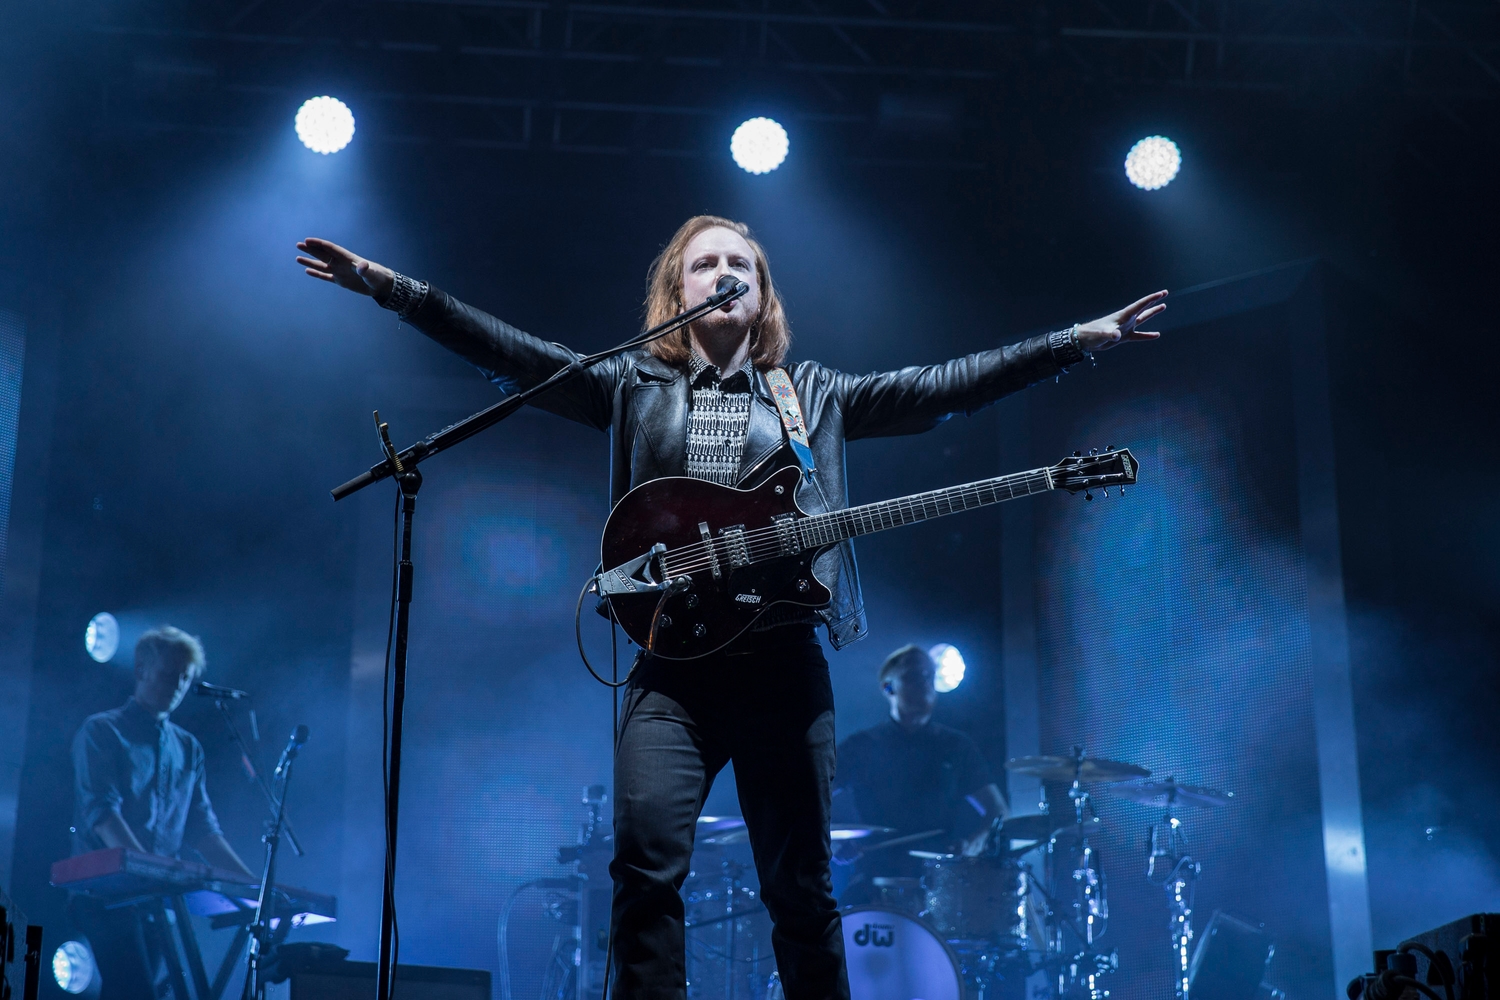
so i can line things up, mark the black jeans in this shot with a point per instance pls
(126, 956)
(767, 706)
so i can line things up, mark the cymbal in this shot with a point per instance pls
(717, 824)
(1060, 768)
(1164, 792)
(731, 830)
(1029, 827)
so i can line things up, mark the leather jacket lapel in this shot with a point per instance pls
(659, 407)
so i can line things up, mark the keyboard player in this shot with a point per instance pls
(139, 783)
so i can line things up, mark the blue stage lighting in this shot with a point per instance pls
(325, 125)
(759, 145)
(73, 966)
(102, 637)
(950, 666)
(1153, 162)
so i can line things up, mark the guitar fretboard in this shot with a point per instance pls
(851, 522)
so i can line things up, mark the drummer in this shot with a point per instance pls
(915, 775)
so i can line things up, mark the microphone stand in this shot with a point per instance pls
(255, 776)
(403, 467)
(260, 930)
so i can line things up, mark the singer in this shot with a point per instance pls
(697, 403)
(138, 783)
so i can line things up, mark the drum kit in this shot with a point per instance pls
(1025, 919)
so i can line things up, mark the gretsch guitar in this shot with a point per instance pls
(694, 564)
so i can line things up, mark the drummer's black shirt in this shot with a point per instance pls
(913, 780)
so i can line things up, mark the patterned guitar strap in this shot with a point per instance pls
(791, 417)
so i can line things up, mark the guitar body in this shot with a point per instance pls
(711, 612)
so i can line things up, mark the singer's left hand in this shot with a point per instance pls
(1122, 326)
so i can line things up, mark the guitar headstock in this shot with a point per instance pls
(1080, 473)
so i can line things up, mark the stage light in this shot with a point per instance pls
(73, 966)
(102, 637)
(950, 666)
(1153, 162)
(325, 125)
(759, 145)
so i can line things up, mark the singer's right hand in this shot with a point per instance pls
(331, 262)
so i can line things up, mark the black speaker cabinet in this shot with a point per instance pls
(356, 981)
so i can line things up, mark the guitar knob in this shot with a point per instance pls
(664, 622)
(700, 630)
(802, 586)
(692, 600)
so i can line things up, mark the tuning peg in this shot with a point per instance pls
(1077, 454)
(1093, 451)
(1109, 447)
(1087, 495)
(1122, 491)
(1105, 490)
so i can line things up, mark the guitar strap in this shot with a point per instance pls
(791, 417)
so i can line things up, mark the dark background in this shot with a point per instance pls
(208, 394)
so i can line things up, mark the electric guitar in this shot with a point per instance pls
(694, 564)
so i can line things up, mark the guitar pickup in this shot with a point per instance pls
(734, 543)
(788, 536)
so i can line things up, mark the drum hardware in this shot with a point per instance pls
(1168, 863)
(728, 939)
(1069, 856)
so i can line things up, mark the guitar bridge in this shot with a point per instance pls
(788, 537)
(713, 556)
(734, 544)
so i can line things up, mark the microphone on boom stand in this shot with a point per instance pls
(208, 690)
(728, 287)
(299, 737)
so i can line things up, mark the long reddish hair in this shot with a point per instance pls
(770, 334)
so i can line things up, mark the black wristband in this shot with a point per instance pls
(1064, 347)
(406, 296)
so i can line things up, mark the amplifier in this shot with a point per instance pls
(356, 981)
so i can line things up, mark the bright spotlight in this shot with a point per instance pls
(950, 666)
(759, 145)
(73, 966)
(325, 125)
(102, 638)
(1153, 162)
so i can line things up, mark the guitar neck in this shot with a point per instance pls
(835, 526)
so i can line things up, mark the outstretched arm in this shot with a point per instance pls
(513, 360)
(916, 399)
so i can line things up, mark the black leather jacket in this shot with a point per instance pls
(643, 403)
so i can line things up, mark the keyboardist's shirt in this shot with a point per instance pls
(149, 771)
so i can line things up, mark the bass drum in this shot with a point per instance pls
(893, 956)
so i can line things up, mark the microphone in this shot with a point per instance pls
(208, 690)
(299, 737)
(727, 289)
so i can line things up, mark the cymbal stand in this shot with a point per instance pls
(1087, 967)
(1171, 867)
(1092, 907)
